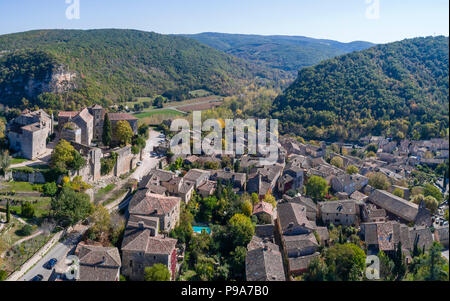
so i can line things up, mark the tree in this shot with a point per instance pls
(5, 162)
(317, 271)
(50, 189)
(70, 207)
(157, 272)
(101, 224)
(107, 131)
(431, 190)
(27, 210)
(352, 169)
(345, 262)
(317, 188)
(123, 132)
(241, 229)
(399, 263)
(386, 267)
(159, 101)
(237, 262)
(378, 180)
(372, 148)
(247, 208)
(398, 192)
(8, 212)
(26, 230)
(337, 161)
(255, 198)
(430, 202)
(3, 275)
(65, 157)
(269, 198)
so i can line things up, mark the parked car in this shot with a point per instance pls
(51, 263)
(38, 277)
(139, 163)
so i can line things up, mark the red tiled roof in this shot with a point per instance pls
(67, 114)
(121, 116)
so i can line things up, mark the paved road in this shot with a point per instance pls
(148, 162)
(59, 251)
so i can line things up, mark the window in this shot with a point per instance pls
(131, 263)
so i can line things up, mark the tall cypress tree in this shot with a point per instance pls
(8, 212)
(107, 131)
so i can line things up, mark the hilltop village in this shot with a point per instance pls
(314, 215)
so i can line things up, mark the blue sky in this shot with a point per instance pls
(343, 20)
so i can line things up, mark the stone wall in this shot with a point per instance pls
(33, 178)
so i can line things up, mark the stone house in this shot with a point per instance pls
(398, 208)
(28, 133)
(141, 249)
(264, 261)
(197, 176)
(238, 180)
(116, 117)
(178, 186)
(263, 211)
(292, 219)
(207, 189)
(346, 213)
(349, 183)
(98, 263)
(167, 209)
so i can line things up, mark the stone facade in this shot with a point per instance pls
(28, 133)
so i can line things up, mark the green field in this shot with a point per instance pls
(158, 112)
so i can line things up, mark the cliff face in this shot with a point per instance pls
(27, 75)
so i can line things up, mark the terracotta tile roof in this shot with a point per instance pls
(263, 207)
(264, 262)
(68, 114)
(395, 205)
(98, 263)
(121, 116)
(153, 204)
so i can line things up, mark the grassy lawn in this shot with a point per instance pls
(159, 112)
(20, 187)
(200, 93)
(116, 195)
(156, 117)
(15, 161)
(41, 207)
(103, 191)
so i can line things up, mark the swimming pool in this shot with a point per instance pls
(200, 230)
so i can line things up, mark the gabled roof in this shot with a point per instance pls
(394, 204)
(264, 262)
(292, 214)
(263, 207)
(98, 263)
(153, 204)
(121, 116)
(341, 207)
(140, 240)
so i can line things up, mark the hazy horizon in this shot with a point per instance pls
(376, 21)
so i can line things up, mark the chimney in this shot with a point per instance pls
(141, 225)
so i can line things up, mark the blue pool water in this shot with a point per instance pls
(200, 229)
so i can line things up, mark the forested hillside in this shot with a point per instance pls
(287, 54)
(398, 89)
(69, 68)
